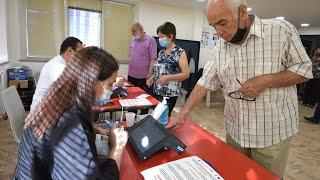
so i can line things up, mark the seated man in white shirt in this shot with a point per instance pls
(52, 69)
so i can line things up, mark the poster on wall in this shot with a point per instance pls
(209, 37)
(208, 40)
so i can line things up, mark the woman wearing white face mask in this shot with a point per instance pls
(171, 67)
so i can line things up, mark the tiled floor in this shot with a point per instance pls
(304, 156)
(8, 151)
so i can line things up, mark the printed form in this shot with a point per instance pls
(134, 102)
(190, 168)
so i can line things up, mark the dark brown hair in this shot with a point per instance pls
(69, 42)
(74, 87)
(168, 29)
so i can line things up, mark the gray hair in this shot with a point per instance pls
(233, 4)
(137, 26)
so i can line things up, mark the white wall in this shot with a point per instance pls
(309, 31)
(200, 19)
(34, 66)
(188, 21)
(3, 69)
(37, 66)
(3, 33)
(205, 53)
(123, 70)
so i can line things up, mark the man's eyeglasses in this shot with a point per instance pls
(236, 95)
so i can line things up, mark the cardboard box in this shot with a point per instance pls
(19, 83)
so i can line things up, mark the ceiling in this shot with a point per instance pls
(182, 3)
(295, 11)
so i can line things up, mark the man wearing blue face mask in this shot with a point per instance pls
(258, 62)
(143, 53)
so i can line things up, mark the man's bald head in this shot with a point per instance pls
(137, 30)
(137, 26)
(226, 16)
(232, 4)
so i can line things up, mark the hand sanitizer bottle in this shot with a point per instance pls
(161, 112)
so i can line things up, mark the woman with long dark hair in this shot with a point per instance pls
(58, 140)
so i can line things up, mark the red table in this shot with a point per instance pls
(229, 163)
(133, 93)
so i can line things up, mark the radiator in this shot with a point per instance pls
(2, 87)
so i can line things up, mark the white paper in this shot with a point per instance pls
(142, 96)
(190, 168)
(135, 102)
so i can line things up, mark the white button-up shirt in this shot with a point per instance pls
(49, 74)
(272, 46)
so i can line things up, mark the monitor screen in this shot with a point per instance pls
(146, 136)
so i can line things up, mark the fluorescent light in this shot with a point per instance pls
(305, 25)
(201, 0)
(249, 9)
(280, 17)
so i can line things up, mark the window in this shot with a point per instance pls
(96, 23)
(85, 25)
(3, 33)
(45, 27)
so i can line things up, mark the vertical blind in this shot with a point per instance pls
(117, 29)
(45, 27)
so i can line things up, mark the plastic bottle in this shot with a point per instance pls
(161, 112)
(192, 66)
(101, 145)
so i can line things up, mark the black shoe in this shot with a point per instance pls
(312, 120)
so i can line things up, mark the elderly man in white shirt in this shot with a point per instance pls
(258, 62)
(54, 68)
